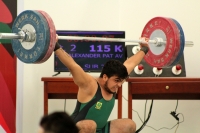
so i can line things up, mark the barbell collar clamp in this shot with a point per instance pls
(159, 41)
(29, 36)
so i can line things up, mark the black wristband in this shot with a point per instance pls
(144, 49)
(57, 46)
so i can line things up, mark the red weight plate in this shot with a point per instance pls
(178, 47)
(155, 57)
(52, 36)
(178, 41)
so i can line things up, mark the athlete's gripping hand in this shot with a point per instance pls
(57, 46)
(144, 45)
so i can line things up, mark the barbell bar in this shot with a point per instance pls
(33, 39)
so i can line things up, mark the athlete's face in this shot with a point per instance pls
(112, 84)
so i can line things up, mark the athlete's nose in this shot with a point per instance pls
(119, 84)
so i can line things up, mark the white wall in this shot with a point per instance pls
(130, 16)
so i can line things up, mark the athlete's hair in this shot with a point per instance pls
(114, 68)
(58, 122)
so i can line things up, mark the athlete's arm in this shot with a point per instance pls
(134, 60)
(81, 78)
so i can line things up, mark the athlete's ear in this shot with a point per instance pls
(105, 77)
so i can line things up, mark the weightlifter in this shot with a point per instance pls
(96, 96)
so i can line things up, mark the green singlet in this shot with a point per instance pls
(98, 110)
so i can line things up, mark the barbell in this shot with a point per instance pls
(34, 37)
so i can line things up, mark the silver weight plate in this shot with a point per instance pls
(33, 22)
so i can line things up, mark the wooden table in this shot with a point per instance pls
(65, 88)
(162, 88)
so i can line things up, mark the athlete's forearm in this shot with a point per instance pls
(133, 61)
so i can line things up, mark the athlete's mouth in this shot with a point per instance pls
(115, 87)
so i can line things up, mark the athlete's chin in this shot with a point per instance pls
(114, 90)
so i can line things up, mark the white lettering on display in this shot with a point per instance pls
(118, 48)
(77, 55)
(91, 66)
(99, 48)
(107, 55)
(118, 55)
